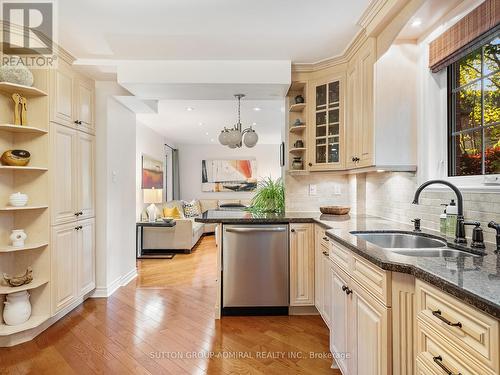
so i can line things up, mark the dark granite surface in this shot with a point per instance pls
(475, 280)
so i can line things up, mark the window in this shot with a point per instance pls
(474, 112)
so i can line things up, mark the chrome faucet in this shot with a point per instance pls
(460, 229)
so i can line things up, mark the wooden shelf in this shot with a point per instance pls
(36, 283)
(33, 322)
(297, 86)
(11, 88)
(21, 129)
(297, 128)
(27, 168)
(297, 107)
(24, 208)
(29, 246)
(298, 171)
(297, 150)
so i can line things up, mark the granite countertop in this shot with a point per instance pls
(475, 280)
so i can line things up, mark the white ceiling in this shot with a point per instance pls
(297, 30)
(181, 126)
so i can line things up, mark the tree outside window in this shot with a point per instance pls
(474, 112)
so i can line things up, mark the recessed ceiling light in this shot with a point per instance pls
(206, 133)
(254, 123)
(212, 140)
(416, 22)
(257, 109)
(200, 123)
(189, 109)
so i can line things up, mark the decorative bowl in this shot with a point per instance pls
(18, 199)
(15, 158)
(335, 210)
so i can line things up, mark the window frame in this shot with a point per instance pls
(451, 110)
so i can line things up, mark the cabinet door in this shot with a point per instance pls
(84, 94)
(64, 260)
(318, 270)
(301, 265)
(86, 256)
(369, 333)
(64, 177)
(62, 95)
(351, 117)
(327, 289)
(339, 319)
(327, 142)
(365, 91)
(86, 175)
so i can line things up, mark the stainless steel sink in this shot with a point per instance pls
(394, 240)
(410, 244)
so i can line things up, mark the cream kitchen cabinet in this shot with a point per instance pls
(73, 166)
(359, 127)
(71, 99)
(326, 116)
(322, 265)
(302, 265)
(64, 265)
(360, 328)
(73, 256)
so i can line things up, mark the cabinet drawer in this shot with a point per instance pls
(340, 256)
(372, 278)
(476, 333)
(441, 356)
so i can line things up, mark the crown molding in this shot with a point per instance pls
(343, 58)
(371, 12)
(20, 31)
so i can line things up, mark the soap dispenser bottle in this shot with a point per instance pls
(451, 219)
(442, 220)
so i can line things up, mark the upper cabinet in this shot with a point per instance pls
(359, 125)
(361, 111)
(72, 99)
(327, 119)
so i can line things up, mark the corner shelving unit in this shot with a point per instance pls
(297, 112)
(33, 218)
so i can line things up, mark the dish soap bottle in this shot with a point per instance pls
(442, 220)
(451, 219)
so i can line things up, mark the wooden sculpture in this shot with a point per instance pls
(20, 109)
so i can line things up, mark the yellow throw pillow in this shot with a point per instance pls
(171, 213)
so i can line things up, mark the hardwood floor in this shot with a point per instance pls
(162, 323)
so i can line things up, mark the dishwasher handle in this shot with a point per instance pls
(255, 229)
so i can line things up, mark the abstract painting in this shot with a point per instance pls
(152, 173)
(228, 175)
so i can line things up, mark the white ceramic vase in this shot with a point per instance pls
(16, 72)
(18, 199)
(18, 236)
(17, 309)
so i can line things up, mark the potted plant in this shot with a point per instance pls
(270, 196)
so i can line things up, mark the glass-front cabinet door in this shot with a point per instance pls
(327, 129)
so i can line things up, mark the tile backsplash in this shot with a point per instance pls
(331, 189)
(390, 196)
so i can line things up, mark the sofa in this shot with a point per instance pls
(187, 232)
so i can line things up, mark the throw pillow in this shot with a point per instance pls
(171, 213)
(191, 209)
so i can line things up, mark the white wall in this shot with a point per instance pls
(115, 190)
(149, 142)
(190, 157)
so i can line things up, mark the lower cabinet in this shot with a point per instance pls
(73, 262)
(360, 329)
(302, 265)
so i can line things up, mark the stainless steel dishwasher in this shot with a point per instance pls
(255, 270)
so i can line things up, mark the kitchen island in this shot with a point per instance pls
(475, 280)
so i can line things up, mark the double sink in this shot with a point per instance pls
(411, 244)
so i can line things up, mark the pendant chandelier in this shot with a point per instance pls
(235, 137)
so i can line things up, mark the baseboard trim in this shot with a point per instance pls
(105, 292)
(302, 310)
